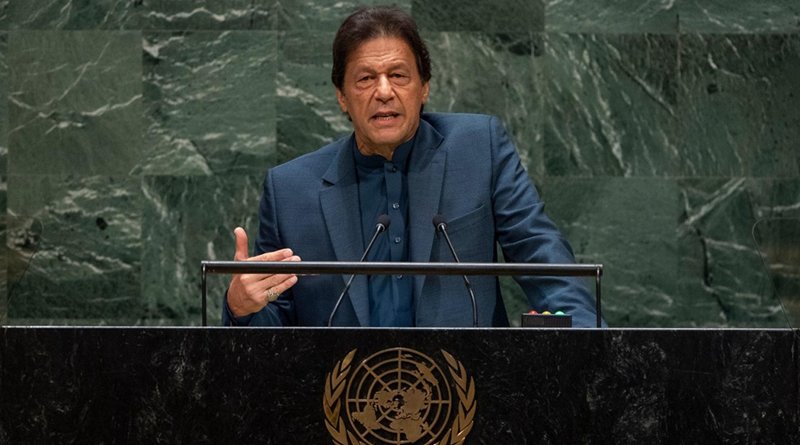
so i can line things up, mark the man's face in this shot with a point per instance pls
(383, 94)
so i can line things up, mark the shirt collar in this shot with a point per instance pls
(399, 157)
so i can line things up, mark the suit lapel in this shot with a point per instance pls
(425, 178)
(339, 201)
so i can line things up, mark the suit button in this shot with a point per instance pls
(396, 205)
(397, 240)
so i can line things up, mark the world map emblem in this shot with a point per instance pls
(399, 396)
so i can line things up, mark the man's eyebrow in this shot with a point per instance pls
(400, 64)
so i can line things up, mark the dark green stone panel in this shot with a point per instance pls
(3, 257)
(628, 225)
(515, 15)
(611, 16)
(308, 113)
(69, 14)
(323, 15)
(496, 74)
(738, 105)
(140, 14)
(209, 101)
(777, 240)
(726, 16)
(74, 250)
(479, 15)
(3, 171)
(207, 14)
(721, 266)
(75, 106)
(4, 78)
(610, 105)
(187, 220)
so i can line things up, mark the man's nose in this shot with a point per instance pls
(384, 90)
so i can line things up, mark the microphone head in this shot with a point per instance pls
(438, 221)
(384, 221)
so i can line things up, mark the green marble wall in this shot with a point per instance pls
(664, 136)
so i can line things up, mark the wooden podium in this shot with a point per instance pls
(433, 386)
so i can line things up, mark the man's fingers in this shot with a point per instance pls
(275, 291)
(241, 244)
(278, 255)
(266, 281)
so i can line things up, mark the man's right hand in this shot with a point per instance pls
(249, 293)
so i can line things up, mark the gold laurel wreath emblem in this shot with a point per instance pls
(336, 381)
(462, 424)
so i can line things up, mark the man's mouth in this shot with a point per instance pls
(385, 116)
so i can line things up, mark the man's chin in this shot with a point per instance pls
(388, 135)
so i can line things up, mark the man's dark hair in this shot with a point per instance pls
(368, 23)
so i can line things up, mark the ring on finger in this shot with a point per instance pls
(271, 294)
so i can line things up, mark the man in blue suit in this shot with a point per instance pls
(408, 165)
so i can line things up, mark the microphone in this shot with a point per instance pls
(441, 226)
(380, 227)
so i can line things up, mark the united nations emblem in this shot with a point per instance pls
(399, 396)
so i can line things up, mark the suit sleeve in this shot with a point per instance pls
(527, 235)
(281, 311)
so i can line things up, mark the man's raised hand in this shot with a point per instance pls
(249, 293)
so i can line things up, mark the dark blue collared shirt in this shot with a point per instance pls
(383, 188)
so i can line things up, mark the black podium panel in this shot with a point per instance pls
(219, 385)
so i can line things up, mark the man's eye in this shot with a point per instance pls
(400, 78)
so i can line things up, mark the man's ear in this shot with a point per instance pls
(426, 90)
(341, 100)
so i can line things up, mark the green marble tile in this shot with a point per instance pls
(508, 68)
(209, 100)
(3, 173)
(721, 265)
(74, 249)
(611, 16)
(322, 15)
(3, 258)
(69, 14)
(777, 235)
(610, 105)
(479, 15)
(628, 225)
(725, 16)
(778, 240)
(4, 78)
(738, 105)
(308, 114)
(775, 198)
(187, 220)
(74, 102)
(140, 14)
(208, 14)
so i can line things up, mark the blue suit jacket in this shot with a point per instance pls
(463, 167)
